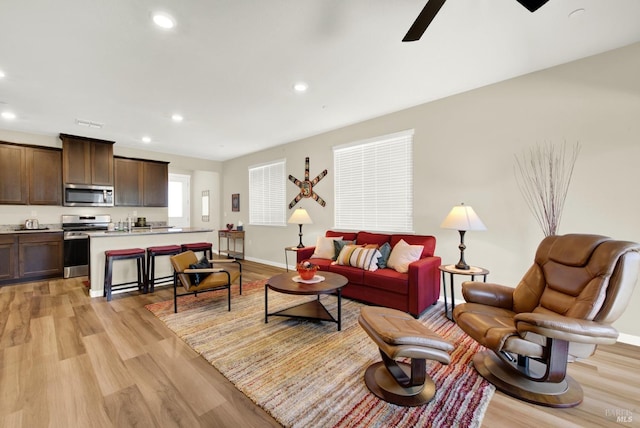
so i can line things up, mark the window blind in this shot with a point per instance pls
(267, 194)
(374, 184)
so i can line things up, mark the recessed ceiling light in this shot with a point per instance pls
(300, 87)
(8, 115)
(163, 20)
(177, 118)
(146, 139)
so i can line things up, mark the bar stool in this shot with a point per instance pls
(128, 254)
(200, 246)
(152, 252)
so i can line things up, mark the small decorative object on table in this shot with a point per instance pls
(229, 226)
(307, 270)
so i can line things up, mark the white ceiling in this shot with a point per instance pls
(229, 65)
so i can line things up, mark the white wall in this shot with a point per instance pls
(464, 148)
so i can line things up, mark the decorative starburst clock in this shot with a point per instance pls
(306, 186)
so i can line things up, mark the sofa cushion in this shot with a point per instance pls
(429, 243)
(347, 236)
(353, 274)
(366, 238)
(325, 248)
(402, 255)
(360, 257)
(389, 280)
(323, 264)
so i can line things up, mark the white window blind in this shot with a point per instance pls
(374, 184)
(267, 194)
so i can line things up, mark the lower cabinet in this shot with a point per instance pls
(8, 257)
(31, 256)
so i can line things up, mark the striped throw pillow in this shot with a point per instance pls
(360, 257)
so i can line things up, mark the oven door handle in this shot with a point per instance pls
(72, 237)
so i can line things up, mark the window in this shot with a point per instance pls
(374, 184)
(179, 206)
(267, 194)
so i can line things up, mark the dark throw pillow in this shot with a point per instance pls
(385, 250)
(197, 278)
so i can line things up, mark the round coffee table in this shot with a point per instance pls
(314, 309)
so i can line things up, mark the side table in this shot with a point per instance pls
(473, 271)
(293, 250)
(231, 236)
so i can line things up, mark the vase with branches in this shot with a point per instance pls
(543, 175)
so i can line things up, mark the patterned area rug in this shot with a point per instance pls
(308, 374)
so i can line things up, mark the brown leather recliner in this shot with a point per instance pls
(561, 310)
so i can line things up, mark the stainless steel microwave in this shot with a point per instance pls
(87, 195)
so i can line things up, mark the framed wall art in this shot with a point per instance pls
(235, 202)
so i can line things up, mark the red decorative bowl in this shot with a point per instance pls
(307, 272)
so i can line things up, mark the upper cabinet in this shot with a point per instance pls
(44, 168)
(30, 175)
(13, 174)
(156, 184)
(87, 160)
(141, 182)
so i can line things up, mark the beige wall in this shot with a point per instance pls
(464, 148)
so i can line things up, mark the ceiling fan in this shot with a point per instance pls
(433, 6)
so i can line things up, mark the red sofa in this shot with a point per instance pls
(411, 292)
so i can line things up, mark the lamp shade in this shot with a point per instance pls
(463, 217)
(300, 216)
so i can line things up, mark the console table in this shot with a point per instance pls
(232, 237)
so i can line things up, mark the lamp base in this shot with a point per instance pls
(300, 245)
(462, 265)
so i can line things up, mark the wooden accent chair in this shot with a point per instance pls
(561, 310)
(215, 279)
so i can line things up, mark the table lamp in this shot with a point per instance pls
(462, 218)
(300, 217)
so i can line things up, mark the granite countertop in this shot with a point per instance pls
(147, 231)
(17, 229)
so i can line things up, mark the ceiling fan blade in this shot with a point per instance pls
(423, 20)
(532, 5)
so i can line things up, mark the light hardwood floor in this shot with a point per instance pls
(67, 360)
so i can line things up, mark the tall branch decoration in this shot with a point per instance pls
(543, 176)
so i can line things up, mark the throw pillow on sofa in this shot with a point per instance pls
(385, 252)
(404, 254)
(360, 257)
(324, 247)
(338, 245)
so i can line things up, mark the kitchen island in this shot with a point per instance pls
(125, 270)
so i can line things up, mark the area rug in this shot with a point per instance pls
(308, 374)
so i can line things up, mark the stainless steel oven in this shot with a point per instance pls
(76, 241)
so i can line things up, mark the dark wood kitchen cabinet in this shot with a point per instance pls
(87, 160)
(128, 182)
(30, 256)
(13, 176)
(8, 257)
(141, 183)
(41, 255)
(30, 175)
(156, 184)
(44, 172)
